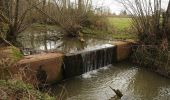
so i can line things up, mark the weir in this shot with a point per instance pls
(77, 60)
(84, 61)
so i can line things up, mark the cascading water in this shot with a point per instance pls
(96, 59)
(88, 60)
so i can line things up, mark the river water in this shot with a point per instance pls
(135, 84)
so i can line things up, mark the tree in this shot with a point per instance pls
(152, 31)
(123, 12)
(168, 21)
(15, 11)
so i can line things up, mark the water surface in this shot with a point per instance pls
(36, 41)
(135, 84)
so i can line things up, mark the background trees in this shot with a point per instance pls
(15, 13)
(71, 16)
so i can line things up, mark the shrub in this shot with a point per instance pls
(151, 28)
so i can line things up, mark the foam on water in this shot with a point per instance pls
(91, 74)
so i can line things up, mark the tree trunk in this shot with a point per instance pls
(80, 4)
(44, 10)
(16, 14)
(13, 28)
(11, 35)
(168, 21)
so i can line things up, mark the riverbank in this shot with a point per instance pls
(18, 90)
(118, 28)
(13, 86)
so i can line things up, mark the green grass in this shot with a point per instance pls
(119, 23)
(106, 34)
(121, 27)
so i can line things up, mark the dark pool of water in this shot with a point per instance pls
(41, 41)
(135, 84)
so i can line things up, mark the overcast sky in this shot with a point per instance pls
(117, 7)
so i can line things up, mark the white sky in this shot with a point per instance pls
(117, 7)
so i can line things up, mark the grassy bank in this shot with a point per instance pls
(108, 35)
(119, 28)
(18, 90)
(11, 86)
(120, 24)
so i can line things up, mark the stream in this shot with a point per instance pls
(135, 84)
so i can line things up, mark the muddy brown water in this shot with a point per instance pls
(135, 84)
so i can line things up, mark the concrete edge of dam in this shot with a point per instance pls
(58, 66)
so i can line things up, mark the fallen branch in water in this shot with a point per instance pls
(118, 93)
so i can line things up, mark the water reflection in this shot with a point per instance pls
(152, 87)
(40, 41)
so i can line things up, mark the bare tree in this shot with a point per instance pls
(168, 21)
(15, 11)
(152, 30)
(71, 19)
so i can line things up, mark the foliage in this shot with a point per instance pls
(73, 19)
(154, 58)
(152, 30)
(97, 22)
(13, 89)
(12, 86)
(17, 55)
(147, 21)
(16, 15)
(9, 56)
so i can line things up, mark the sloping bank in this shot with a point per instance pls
(12, 87)
(152, 58)
(18, 90)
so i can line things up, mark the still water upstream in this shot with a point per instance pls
(135, 84)
(34, 42)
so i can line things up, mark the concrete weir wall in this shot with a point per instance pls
(37, 67)
(123, 50)
(82, 62)
(57, 66)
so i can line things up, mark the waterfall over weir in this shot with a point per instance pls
(88, 60)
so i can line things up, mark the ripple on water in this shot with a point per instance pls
(134, 83)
